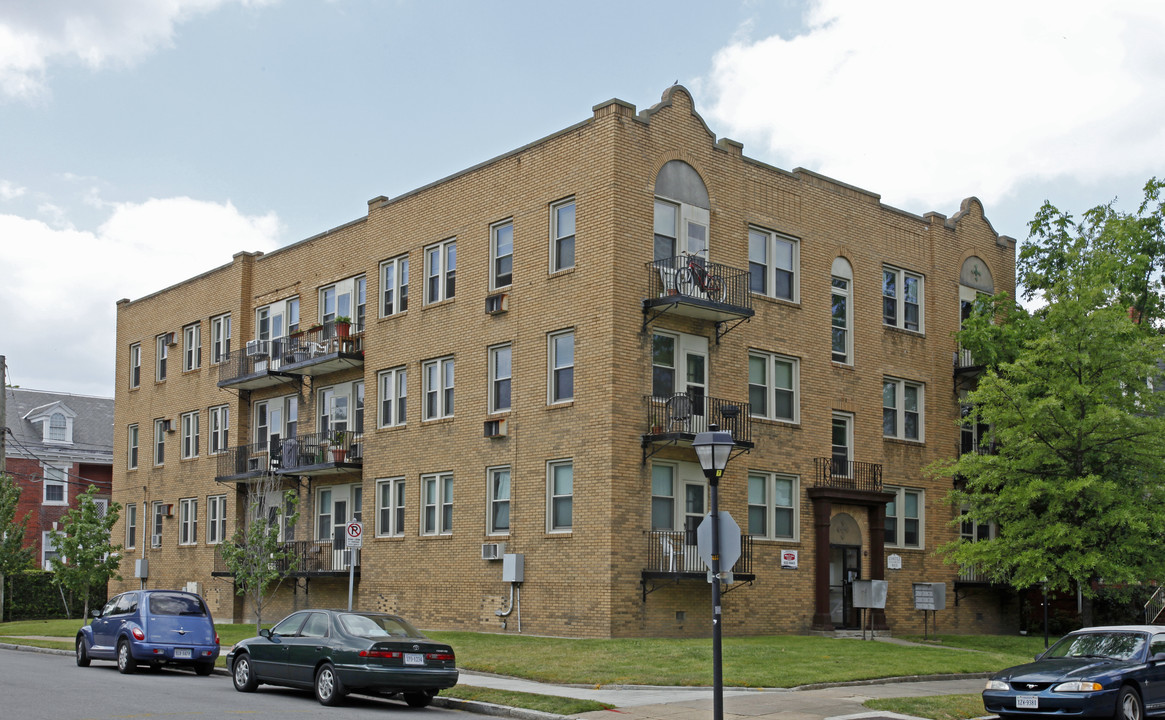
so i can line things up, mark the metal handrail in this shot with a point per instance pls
(674, 551)
(668, 278)
(690, 413)
(847, 474)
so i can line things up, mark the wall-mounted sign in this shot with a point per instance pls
(788, 559)
(893, 561)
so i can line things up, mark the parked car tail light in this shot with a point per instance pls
(439, 656)
(138, 634)
(216, 640)
(380, 654)
(1078, 687)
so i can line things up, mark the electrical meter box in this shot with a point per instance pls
(870, 594)
(141, 568)
(513, 567)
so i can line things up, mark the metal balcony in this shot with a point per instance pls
(672, 555)
(320, 350)
(708, 291)
(315, 454)
(305, 558)
(677, 419)
(841, 474)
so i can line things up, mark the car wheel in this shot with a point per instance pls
(203, 669)
(1128, 705)
(245, 680)
(419, 699)
(82, 653)
(329, 689)
(125, 661)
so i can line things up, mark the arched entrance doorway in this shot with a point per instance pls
(845, 566)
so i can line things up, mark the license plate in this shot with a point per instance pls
(182, 653)
(414, 658)
(1027, 702)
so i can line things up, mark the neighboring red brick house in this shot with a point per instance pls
(59, 444)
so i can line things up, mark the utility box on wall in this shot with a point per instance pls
(513, 567)
(141, 568)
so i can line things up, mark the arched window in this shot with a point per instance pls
(841, 279)
(58, 427)
(681, 211)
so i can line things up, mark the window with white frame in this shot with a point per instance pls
(161, 356)
(561, 365)
(440, 271)
(220, 338)
(192, 347)
(390, 507)
(341, 409)
(901, 298)
(772, 386)
(437, 504)
(970, 531)
(59, 428)
(279, 418)
(188, 521)
(562, 235)
(394, 286)
(663, 496)
(160, 441)
(274, 321)
(135, 365)
(190, 433)
(842, 439)
(358, 401)
(559, 495)
(902, 403)
(501, 254)
(498, 512)
(772, 264)
(438, 388)
(159, 515)
(772, 505)
(48, 551)
(393, 393)
(216, 519)
(840, 320)
(131, 525)
(220, 426)
(499, 377)
(132, 450)
(904, 519)
(56, 485)
(344, 299)
(361, 301)
(101, 506)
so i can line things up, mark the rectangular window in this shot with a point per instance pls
(663, 497)
(438, 381)
(560, 495)
(159, 515)
(135, 365)
(663, 366)
(48, 551)
(188, 521)
(220, 425)
(904, 518)
(772, 264)
(220, 338)
(190, 435)
(901, 409)
(162, 354)
(437, 504)
(842, 441)
(160, 441)
(561, 366)
(501, 254)
(498, 500)
(131, 525)
(394, 286)
(562, 235)
(216, 519)
(390, 507)
(772, 386)
(440, 271)
(132, 457)
(499, 377)
(901, 298)
(393, 396)
(666, 226)
(772, 508)
(192, 347)
(56, 485)
(841, 320)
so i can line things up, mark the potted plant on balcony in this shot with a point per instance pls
(337, 439)
(343, 326)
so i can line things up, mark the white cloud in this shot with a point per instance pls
(9, 190)
(34, 35)
(928, 102)
(61, 285)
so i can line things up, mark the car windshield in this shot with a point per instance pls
(374, 626)
(1115, 645)
(175, 604)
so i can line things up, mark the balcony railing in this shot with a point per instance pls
(964, 362)
(685, 414)
(971, 575)
(243, 461)
(673, 553)
(842, 474)
(303, 558)
(321, 453)
(261, 363)
(710, 291)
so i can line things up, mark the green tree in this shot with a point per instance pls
(1077, 478)
(87, 559)
(14, 556)
(256, 557)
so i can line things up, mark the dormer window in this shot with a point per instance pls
(55, 422)
(58, 428)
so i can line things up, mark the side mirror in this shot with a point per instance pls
(265, 633)
(96, 612)
(1157, 657)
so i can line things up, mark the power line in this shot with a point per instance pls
(36, 478)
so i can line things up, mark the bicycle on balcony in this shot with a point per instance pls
(694, 275)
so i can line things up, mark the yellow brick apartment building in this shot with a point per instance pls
(531, 346)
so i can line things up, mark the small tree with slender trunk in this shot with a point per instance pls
(86, 556)
(14, 556)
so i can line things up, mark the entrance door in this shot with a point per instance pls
(844, 567)
(694, 512)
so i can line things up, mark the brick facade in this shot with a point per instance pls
(587, 580)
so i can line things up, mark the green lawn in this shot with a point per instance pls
(936, 707)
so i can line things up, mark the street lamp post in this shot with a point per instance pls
(713, 448)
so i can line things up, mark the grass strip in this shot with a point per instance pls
(935, 707)
(529, 701)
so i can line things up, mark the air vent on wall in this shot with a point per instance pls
(493, 551)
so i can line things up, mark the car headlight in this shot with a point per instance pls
(997, 685)
(1078, 686)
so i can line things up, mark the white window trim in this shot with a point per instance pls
(219, 430)
(192, 347)
(849, 429)
(553, 367)
(161, 358)
(389, 384)
(400, 281)
(490, 474)
(133, 446)
(439, 527)
(443, 407)
(770, 269)
(159, 443)
(131, 525)
(220, 338)
(495, 378)
(191, 433)
(495, 279)
(675, 501)
(847, 293)
(188, 521)
(442, 272)
(135, 364)
(770, 480)
(216, 519)
(395, 505)
(900, 506)
(157, 518)
(900, 386)
(551, 497)
(47, 482)
(555, 236)
(771, 390)
(900, 299)
(46, 547)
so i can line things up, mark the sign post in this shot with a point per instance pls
(353, 540)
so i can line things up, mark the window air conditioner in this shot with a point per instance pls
(495, 428)
(168, 426)
(155, 541)
(168, 509)
(171, 339)
(256, 348)
(497, 304)
(493, 551)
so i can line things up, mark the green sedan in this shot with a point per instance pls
(336, 652)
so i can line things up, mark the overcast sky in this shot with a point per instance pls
(145, 141)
